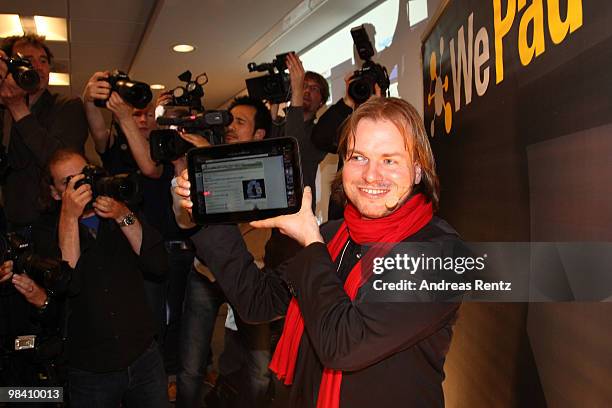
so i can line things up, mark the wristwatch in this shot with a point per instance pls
(129, 219)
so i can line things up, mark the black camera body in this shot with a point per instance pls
(275, 87)
(137, 94)
(166, 145)
(53, 274)
(362, 83)
(121, 187)
(191, 94)
(23, 73)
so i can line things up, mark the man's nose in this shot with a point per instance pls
(371, 172)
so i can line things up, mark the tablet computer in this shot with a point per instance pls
(247, 181)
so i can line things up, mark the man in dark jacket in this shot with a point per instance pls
(112, 356)
(346, 343)
(35, 123)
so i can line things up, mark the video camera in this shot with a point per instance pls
(192, 93)
(23, 72)
(122, 187)
(137, 94)
(274, 87)
(362, 83)
(167, 145)
(53, 274)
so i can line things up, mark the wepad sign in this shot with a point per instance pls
(476, 44)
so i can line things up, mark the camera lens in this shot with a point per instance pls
(27, 79)
(360, 90)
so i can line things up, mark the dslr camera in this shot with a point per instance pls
(137, 94)
(167, 145)
(275, 87)
(121, 187)
(23, 72)
(362, 83)
(53, 274)
(191, 94)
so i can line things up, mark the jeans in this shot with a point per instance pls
(180, 262)
(244, 363)
(141, 384)
(201, 306)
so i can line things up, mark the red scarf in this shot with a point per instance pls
(410, 218)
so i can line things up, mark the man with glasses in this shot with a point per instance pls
(309, 92)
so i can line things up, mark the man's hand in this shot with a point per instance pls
(122, 111)
(350, 102)
(6, 271)
(195, 139)
(97, 89)
(182, 191)
(302, 227)
(74, 201)
(33, 293)
(164, 98)
(296, 75)
(13, 97)
(106, 207)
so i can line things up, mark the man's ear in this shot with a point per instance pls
(259, 134)
(55, 193)
(417, 174)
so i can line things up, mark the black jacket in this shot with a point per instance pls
(55, 122)
(390, 352)
(110, 323)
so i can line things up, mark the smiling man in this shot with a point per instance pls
(342, 346)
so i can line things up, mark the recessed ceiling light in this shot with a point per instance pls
(59, 79)
(10, 25)
(53, 28)
(158, 86)
(183, 48)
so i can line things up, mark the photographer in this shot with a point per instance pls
(247, 347)
(27, 311)
(112, 356)
(40, 123)
(136, 124)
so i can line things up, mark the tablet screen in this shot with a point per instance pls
(245, 181)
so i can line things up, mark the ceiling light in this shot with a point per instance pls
(53, 28)
(59, 79)
(183, 48)
(10, 25)
(157, 86)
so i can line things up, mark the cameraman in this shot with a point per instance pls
(247, 347)
(112, 356)
(309, 92)
(36, 124)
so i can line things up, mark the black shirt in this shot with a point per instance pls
(110, 323)
(389, 352)
(54, 122)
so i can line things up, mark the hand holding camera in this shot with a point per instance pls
(97, 87)
(137, 94)
(120, 109)
(76, 197)
(296, 76)
(106, 207)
